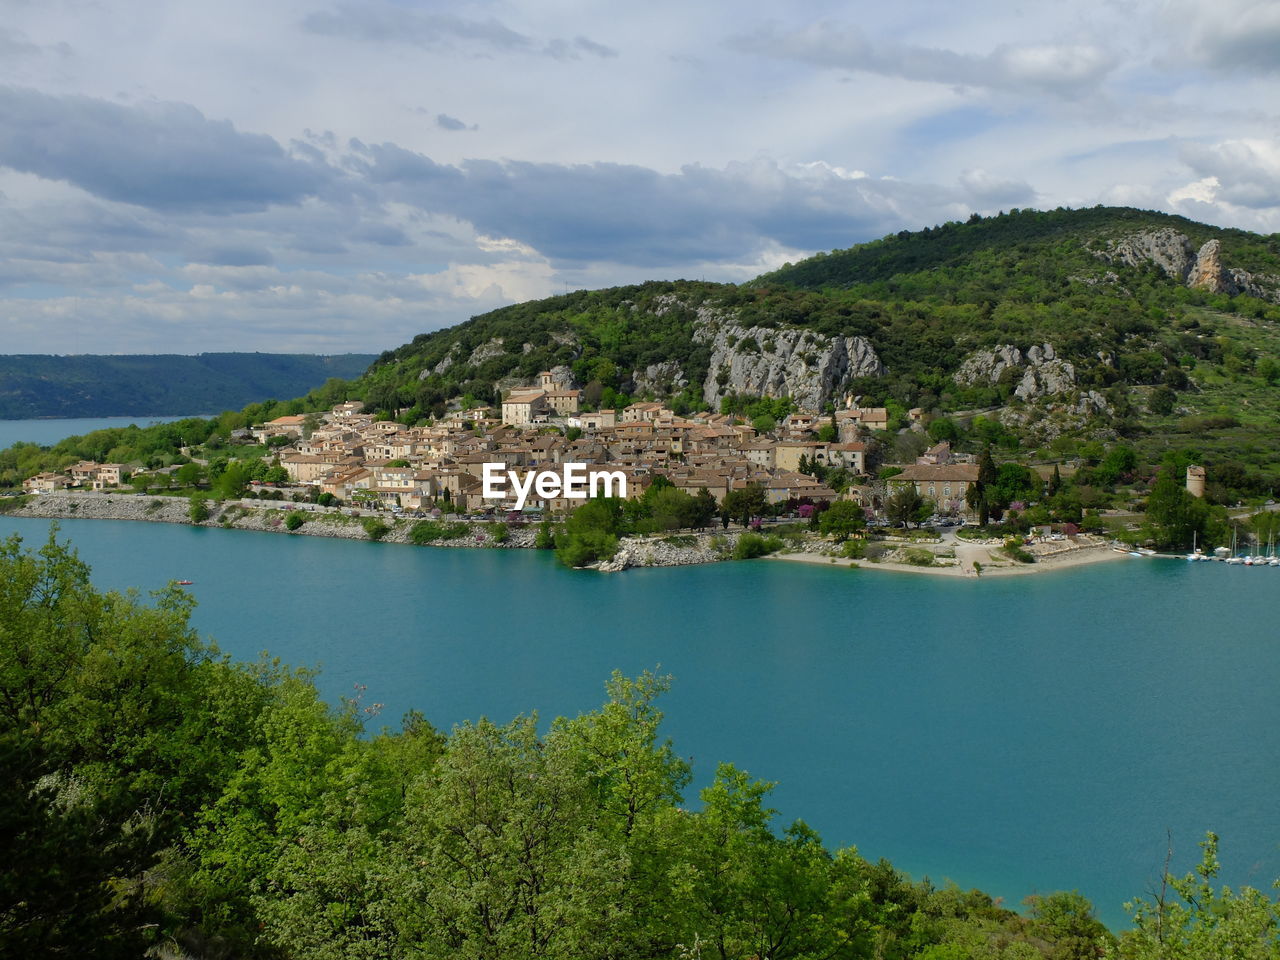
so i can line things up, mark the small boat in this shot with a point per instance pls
(185, 583)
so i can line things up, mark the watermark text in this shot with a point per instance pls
(574, 482)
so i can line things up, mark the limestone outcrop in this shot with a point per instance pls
(449, 360)
(487, 351)
(1040, 371)
(562, 377)
(773, 362)
(1168, 249)
(659, 379)
(1177, 256)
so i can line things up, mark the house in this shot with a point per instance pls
(643, 411)
(563, 402)
(290, 426)
(522, 407)
(600, 420)
(302, 468)
(939, 453)
(83, 473)
(867, 418)
(109, 475)
(945, 484)
(46, 483)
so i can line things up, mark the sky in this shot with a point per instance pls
(321, 176)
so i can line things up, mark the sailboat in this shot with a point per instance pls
(1235, 536)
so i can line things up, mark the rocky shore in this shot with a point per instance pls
(265, 516)
(661, 550)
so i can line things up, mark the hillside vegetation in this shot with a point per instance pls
(89, 385)
(1153, 358)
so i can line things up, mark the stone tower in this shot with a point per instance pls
(1195, 481)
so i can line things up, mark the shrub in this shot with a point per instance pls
(918, 557)
(199, 509)
(1013, 549)
(546, 538)
(854, 549)
(499, 533)
(581, 547)
(425, 531)
(752, 545)
(375, 528)
(294, 520)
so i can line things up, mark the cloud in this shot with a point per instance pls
(446, 122)
(575, 48)
(385, 23)
(1244, 173)
(988, 191)
(165, 156)
(1060, 69)
(576, 214)
(1234, 36)
(376, 22)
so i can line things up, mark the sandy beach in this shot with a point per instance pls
(967, 554)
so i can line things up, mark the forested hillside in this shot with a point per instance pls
(86, 385)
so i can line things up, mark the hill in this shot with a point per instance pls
(141, 385)
(1057, 326)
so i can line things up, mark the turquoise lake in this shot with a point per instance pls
(1018, 735)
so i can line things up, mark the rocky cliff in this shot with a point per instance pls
(1201, 269)
(775, 362)
(1039, 372)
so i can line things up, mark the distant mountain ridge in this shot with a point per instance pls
(100, 385)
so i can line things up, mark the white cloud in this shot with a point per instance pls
(1060, 69)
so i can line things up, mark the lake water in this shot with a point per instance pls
(50, 431)
(1019, 735)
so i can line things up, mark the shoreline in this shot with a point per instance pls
(1063, 559)
(268, 516)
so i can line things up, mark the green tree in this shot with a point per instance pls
(189, 474)
(943, 428)
(751, 893)
(842, 520)
(1198, 920)
(1068, 921)
(108, 749)
(198, 510)
(504, 854)
(1176, 517)
(744, 503)
(590, 533)
(905, 504)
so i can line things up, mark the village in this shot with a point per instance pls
(383, 464)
